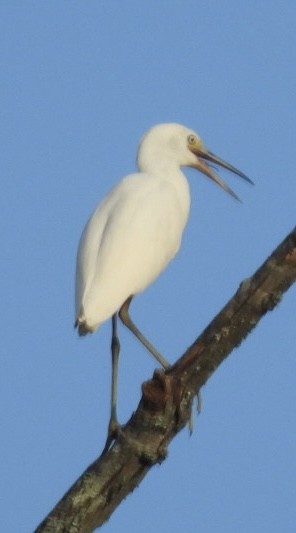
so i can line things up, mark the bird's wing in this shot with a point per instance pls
(127, 242)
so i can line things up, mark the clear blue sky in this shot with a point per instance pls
(81, 81)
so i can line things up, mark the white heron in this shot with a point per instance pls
(134, 233)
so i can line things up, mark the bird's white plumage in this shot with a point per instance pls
(133, 233)
(137, 229)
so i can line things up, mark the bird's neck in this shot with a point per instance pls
(178, 182)
(163, 167)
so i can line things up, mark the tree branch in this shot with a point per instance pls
(165, 406)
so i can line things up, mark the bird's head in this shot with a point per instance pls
(167, 146)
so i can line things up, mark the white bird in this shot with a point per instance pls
(135, 232)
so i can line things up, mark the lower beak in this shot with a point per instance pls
(204, 155)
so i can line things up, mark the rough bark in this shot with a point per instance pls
(166, 402)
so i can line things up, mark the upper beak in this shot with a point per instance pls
(204, 155)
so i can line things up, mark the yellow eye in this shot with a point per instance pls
(191, 139)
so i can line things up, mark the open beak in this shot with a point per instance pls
(204, 155)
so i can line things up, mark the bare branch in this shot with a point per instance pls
(165, 406)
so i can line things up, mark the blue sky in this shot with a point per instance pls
(81, 82)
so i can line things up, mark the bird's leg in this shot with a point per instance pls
(127, 321)
(115, 348)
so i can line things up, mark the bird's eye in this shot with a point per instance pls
(191, 139)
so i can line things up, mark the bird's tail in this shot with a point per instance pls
(81, 325)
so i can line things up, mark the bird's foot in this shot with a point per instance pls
(199, 407)
(114, 429)
(199, 402)
(145, 454)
